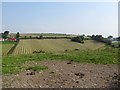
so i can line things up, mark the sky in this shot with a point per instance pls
(61, 17)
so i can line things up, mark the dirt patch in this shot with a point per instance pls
(65, 74)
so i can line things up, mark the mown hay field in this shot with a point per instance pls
(28, 46)
(6, 48)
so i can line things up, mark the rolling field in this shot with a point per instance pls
(53, 45)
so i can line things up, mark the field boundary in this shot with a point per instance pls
(13, 48)
(55, 37)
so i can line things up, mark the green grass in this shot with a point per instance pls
(51, 72)
(116, 43)
(37, 68)
(7, 42)
(12, 64)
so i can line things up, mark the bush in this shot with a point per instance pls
(101, 39)
(78, 39)
(25, 36)
(30, 36)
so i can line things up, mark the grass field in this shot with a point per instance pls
(53, 45)
(13, 63)
(116, 43)
(6, 46)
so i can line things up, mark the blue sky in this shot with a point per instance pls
(61, 17)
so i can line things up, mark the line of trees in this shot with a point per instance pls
(101, 39)
(30, 37)
(41, 37)
(79, 39)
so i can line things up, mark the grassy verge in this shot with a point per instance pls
(12, 64)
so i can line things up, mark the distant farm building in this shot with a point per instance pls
(1, 39)
(11, 39)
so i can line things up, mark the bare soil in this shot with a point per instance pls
(65, 74)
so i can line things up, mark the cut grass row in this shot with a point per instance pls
(12, 64)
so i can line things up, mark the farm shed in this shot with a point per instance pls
(1, 39)
(11, 39)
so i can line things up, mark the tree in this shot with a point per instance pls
(25, 36)
(101, 39)
(17, 36)
(93, 37)
(30, 36)
(78, 39)
(109, 42)
(109, 37)
(5, 34)
(41, 37)
(83, 34)
(118, 38)
(82, 37)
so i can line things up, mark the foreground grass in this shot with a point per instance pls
(12, 64)
(37, 68)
